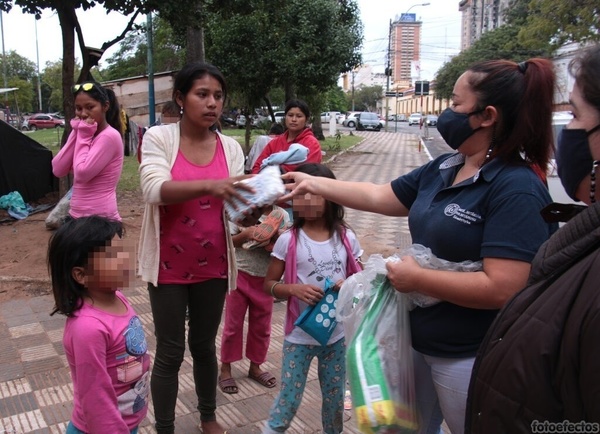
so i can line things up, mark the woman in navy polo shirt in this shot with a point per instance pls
(480, 203)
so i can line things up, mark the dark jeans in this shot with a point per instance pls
(169, 302)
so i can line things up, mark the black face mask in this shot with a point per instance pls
(454, 127)
(573, 158)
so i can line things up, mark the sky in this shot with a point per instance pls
(440, 32)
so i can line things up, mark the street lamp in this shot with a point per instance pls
(418, 4)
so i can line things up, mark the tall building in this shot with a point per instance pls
(479, 16)
(405, 50)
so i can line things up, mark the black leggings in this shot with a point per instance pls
(169, 302)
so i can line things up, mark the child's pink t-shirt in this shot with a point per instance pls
(96, 163)
(109, 364)
(193, 246)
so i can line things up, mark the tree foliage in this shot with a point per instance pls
(501, 43)
(70, 27)
(21, 100)
(298, 45)
(52, 96)
(560, 21)
(132, 57)
(20, 73)
(366, 97)
(18, 66)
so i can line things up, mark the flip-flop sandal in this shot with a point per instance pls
(265, 379)
(265, 230)
(228, 385)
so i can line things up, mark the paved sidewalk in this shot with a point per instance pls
(35, 386)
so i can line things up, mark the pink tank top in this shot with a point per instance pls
(193, 247)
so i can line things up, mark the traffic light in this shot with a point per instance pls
(421, 88)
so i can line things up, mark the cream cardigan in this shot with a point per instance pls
(161, 145)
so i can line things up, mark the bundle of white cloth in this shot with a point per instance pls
(267, 186)
(296, 154)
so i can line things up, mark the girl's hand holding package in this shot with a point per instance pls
(309, 294)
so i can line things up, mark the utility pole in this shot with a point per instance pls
(39, 79)
(151, 102)
(388, 73)
(353, 72)
(3, 53)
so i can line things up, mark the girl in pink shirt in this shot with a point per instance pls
(93, 152)
(103, 338)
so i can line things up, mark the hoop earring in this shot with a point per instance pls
(181, 111)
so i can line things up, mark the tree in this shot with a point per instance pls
(20, 100)
(335, 100)
(187, 18)
(52, 91)
(501, 43)
(69, 23)
(366, 97)
(18, 66)
(131, 58)
(299, 45)
(19, 70)
(559, 21)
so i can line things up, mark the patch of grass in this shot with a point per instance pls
(50, 137)
(338, 143)
(130, 178)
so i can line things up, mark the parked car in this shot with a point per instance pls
(397, 118)
(279, 117)
(368, 121)
(350, 120)
(227, 121)
(257, 121)
(432, 120)
(326, 117)
(41, 121)
(415, 119)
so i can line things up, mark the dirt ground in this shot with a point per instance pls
(23, 245)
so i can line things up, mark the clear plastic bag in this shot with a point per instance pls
(379, 356)
(268, 187)
(60, 212)
(426, 259)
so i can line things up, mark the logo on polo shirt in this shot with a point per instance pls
(462, 215)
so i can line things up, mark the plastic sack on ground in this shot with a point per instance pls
(426, 259)
(268, 187)
(379, 357)
(60, 212)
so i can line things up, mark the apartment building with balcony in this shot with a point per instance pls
(478, 17)
(405, 49)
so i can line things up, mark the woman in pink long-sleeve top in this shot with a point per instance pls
(93, 152)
